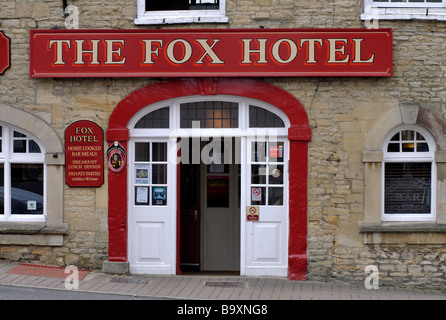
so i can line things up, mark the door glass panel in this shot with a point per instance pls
(258, 174)
(267, 178)
(275, 152)
(142, 152)
(217, 192)
(150, 174)
(159, 151)
(159, 173)
(275, 174)
(275, 196)
(258, 153)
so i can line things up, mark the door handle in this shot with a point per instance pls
(196, 215)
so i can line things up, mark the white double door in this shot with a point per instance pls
(228, 240)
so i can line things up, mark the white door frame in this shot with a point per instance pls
(164, 221)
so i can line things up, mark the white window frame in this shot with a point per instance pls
(8, 157)
(180, 16)
(399, 157)
(403, 10)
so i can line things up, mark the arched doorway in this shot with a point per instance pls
(297, 136)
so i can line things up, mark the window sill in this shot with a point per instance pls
(397, 233)
(405, 14)
(181, 19)
(401, 227)
(27, 233)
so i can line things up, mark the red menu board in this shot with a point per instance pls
(84, 154)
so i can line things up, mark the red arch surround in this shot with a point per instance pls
(299, 135)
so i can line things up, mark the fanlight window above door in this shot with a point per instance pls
(210, 114)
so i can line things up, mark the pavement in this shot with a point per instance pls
(212, 287)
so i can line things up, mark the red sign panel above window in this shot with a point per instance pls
(211, 53)
(5, 52)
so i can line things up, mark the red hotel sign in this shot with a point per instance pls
(211, 53)
(5, 52)
(84, 154)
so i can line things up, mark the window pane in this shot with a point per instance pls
(408, 141)
(209, 114)
(408, 147)
(422, 147)
(262, 118)
(26, 189)
(19, 146)
(407, 135)
(396, 137)
(158, 119)
(275, 196)
(408, 188)
(258, 174)
(159, 174)
(2, 194)
(153, 5)
(258, 152)
(276, 174)
(276, 152)
(33, 147)
(420, 137)
(204, 4)
(393, 147)
(159, 151)
(19, 135)
(142, 151)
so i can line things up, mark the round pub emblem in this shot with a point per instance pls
(116, 157)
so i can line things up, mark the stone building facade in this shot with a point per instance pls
(352, 120)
